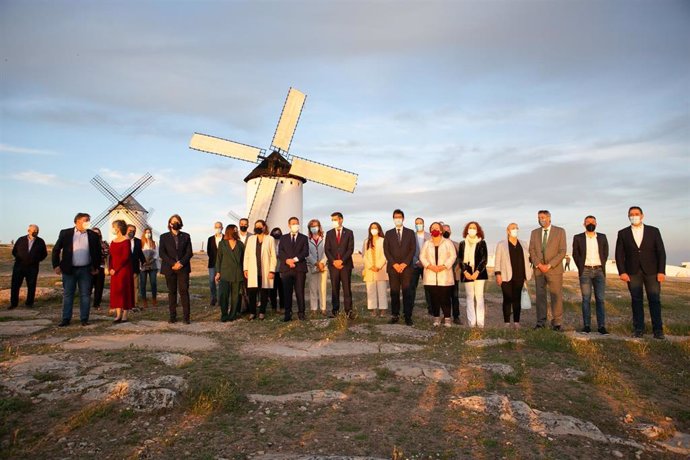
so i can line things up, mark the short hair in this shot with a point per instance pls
(243, 219)
(120, 225)
(635, 207)
(178, 218)
(544, 211)
(260, 221)
(418, 218)
(480, 231)
(436, 223)
(132, 225)
(81, 215)
(230, 232)
(293, 218)
(445, 225)
(35, 226)
(218, 222)
(276, 231)
(399, 211)
(337, 214)
(590, 217)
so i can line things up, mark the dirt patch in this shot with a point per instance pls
(154, 341)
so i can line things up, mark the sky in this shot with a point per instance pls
(449, 110)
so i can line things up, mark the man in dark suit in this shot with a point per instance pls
(399, 246)
(175, 250)
(641, 262)
(77, 256)
(137, 257)
(590, 252)
(28, 252)
(339, 247)
(212, 251)
(292, 262)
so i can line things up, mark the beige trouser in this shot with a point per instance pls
(317, 290)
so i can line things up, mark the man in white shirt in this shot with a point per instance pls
(244, 226)
(590, 252)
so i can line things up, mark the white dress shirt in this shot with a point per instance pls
(592, 258)
(638, 233)
(80, 249)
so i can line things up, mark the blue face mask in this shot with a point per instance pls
(419, 227)
(314, 230)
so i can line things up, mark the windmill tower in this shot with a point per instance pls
(274, 187)
(123, 206)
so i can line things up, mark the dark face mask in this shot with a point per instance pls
(276, 235)
(591, 227)
(258, 230)
(243, 228)
(176, 226)
(446, 235)
(34, 234)
(130, 234)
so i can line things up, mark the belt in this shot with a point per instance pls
(592, 266)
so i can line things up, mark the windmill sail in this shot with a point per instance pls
(263, 199)
(322, 174)
(288, 120)
(223, 147)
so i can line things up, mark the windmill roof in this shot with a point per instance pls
(131, 204)
(274, 165)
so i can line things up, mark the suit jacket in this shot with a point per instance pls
(212, 250)
(427, 237)
(169, 254)
(137, 256)
(580, 250)
(269, 260)
(555, 249)
(399, 252)
(25, 258)
(650, 257)
(62, 251)
(340, 251)
(481, 258)
(288, 250)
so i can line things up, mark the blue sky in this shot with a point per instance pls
(451, 110)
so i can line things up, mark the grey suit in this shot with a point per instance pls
(553, 279)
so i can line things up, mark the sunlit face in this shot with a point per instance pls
(82, 223)
(635, 212)
(436, 227)
(510, 228)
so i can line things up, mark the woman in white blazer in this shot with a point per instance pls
(317, 277)
(437, 257)
(259, 267)
(511, 267)
(375, 275)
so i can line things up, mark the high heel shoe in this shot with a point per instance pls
(117, 321)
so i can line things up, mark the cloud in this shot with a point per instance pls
(24, 150)
(36, 177)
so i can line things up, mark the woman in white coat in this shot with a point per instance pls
(316, 263)
(260, 262)
(375, 275)
(437, 257)
(511, 268)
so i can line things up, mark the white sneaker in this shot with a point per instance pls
(437, 321)
(448, 322)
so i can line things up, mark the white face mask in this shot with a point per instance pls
(219, 231)
(472, 232)
(86, 225)
(514, 233)
(113, 231)
(335, 224)
(635, 220)
(294, 228)
(398, 222)
(147, 235)
(374, 231)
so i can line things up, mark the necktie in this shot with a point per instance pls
(543, 242)
(338, 237)
(293, 239)
(399, 236)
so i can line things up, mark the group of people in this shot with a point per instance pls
(247, 269)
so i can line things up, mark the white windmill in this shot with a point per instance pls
(274, 187)
(123, 206)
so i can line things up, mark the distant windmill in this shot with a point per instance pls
(274, 187)
(123, 206)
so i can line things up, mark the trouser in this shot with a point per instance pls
(276, 294)
(244, 299)
(229, 299)
(593, 278)
(135, 285)
(440, 300)
(19, 273)
(81, 277)
(178, 282)
(97, 284)
(554, 283)
(263, 298)
(512, 299)
(317, 290)
(377, 297)
(474, 295)
(338, 277)
(153, 281)
(212, 284)
(455, 300)
(401, 282)
(293, 281)
(417, 273)
(653, 288)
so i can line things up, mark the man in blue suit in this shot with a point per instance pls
(292, 265)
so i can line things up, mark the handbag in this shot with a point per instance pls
(525, 300)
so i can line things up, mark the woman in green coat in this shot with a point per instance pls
(229, 273)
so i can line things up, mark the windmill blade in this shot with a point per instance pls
(101, 218)
(288, 120)
(325, 175)
(224, 147)
(138, 186)
(105, 188)
(263, 199)
(233, 215)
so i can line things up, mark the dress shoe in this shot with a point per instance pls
(172, 320)
(187, 321)
(63, 323)
(287, 319)
(301, 317)
(586, 330)
(394, 320)
(85, 323)
(457, 321)
(603, 331)
(659, 335)
(638, 334)
(408, 321)
(557, 328)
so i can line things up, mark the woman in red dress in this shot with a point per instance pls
(121, 272)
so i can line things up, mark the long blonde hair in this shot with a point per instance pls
(144, 241)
